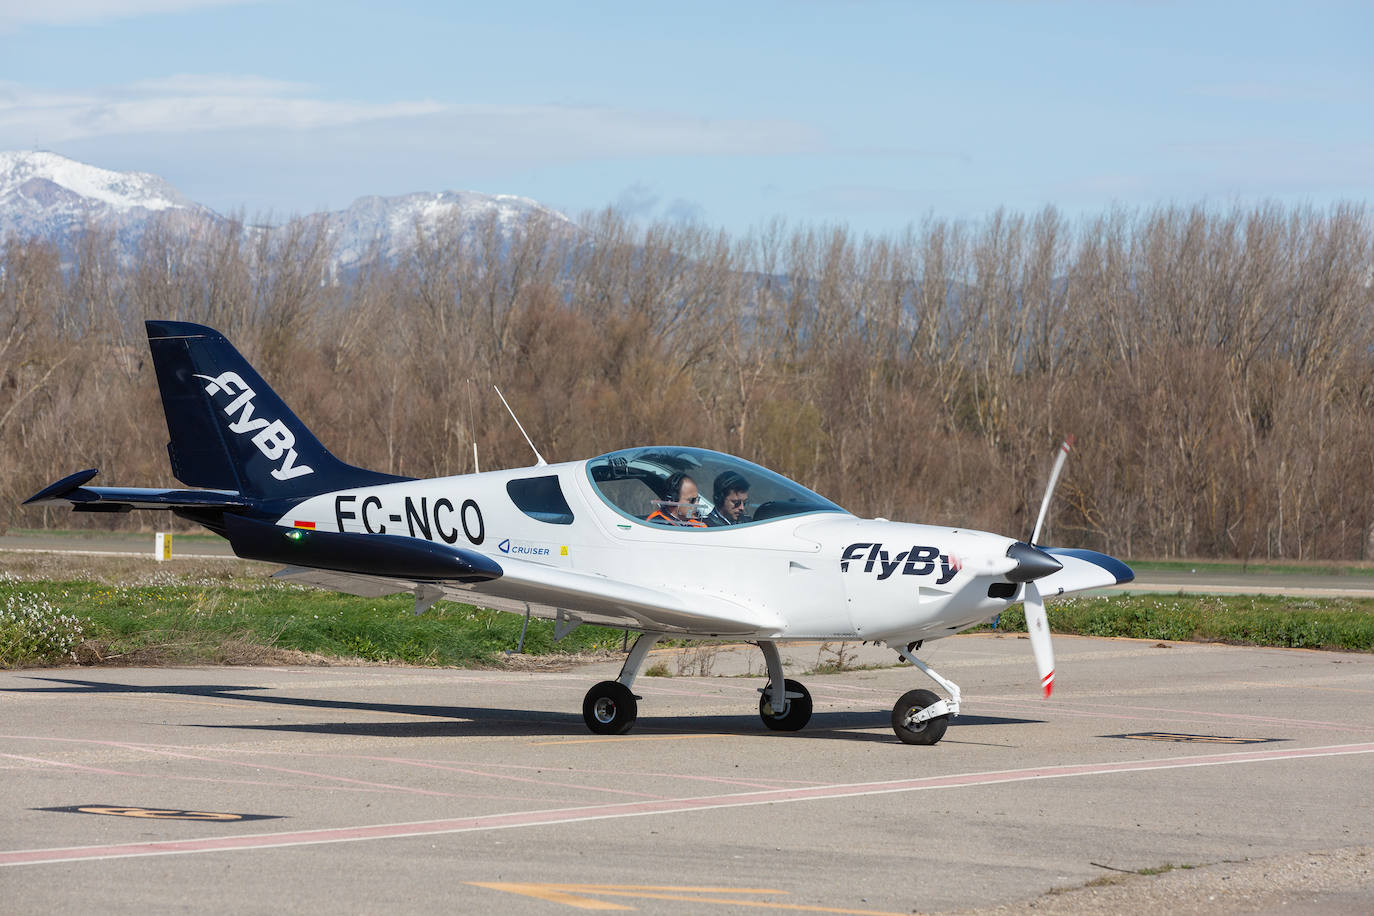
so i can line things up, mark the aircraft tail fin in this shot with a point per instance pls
(229, 430)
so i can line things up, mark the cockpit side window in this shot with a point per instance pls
(639, 483)
(541, 498)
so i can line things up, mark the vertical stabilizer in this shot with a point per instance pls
(229, 430)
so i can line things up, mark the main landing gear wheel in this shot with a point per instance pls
(927, 732)
(610, 708)
(796, 710)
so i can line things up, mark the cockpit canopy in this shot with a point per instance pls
(638, 483)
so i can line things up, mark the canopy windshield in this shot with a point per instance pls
(649, 485)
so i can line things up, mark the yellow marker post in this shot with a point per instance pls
(162, 546)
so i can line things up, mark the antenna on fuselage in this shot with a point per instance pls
(539, 459)
(472, 428)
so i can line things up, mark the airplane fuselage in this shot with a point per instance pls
(822, 575)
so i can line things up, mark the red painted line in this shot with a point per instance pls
(667, 806)
(70, 766)
(1087, 710)
(539, 782)
(167, 750)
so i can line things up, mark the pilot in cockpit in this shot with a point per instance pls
(679, 505)
(730, 493)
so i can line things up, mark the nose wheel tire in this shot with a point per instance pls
(610, 708)
(796, 710)
(927, 732)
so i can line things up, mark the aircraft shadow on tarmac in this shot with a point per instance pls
(488, 721)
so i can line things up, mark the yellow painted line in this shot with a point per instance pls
(543, 892)
(611, 738)
(575, 895)
(758, 904)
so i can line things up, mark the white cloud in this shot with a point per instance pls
(217, 84)
(194, 103)
(15, 13)
(179, 105)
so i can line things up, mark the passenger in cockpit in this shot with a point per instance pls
(679, 507)
(730, 493)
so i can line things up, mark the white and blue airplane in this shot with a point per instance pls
(670, 541)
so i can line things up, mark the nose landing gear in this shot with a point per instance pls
(921, 716)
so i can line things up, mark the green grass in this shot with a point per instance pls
(248, 620)
(1254, 620)
(1257, 568)
(217, 623)
(77, 534)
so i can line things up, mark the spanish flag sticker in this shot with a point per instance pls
(308, 526)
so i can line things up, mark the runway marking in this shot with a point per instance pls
(59, 763)
(539, 782)
(574, 895)
(545, 817)
(354, 785)
(156, 695)
(161, 814)
(769, 783)
(611, 738)
(211, 779)
(1110, 711)
(1303, 687)
(1180, 738)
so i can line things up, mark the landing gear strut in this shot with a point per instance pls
(785, 705)
(610, 708)
(921, 716)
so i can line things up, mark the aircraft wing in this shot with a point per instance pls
(546, 590)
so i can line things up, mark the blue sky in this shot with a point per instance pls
(869, 114)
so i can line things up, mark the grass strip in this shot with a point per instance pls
(254, 621)
(257, 622)
(1258, 568)
(1249, 620)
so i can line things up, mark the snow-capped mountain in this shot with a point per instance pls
(55, 198)
(389, 224)
(48, 195)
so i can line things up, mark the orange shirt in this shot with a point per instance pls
(663, 518)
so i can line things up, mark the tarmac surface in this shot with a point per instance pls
(1243, 774)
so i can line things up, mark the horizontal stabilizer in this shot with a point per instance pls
(72, 491)
(385, 555)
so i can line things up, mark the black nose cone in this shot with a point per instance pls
(1031, 563)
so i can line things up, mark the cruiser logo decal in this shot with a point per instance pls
(272, 438)
(523, 550)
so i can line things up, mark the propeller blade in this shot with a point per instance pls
(1064, 450)
(1038, 626)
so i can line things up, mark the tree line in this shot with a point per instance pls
(1215, 364)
